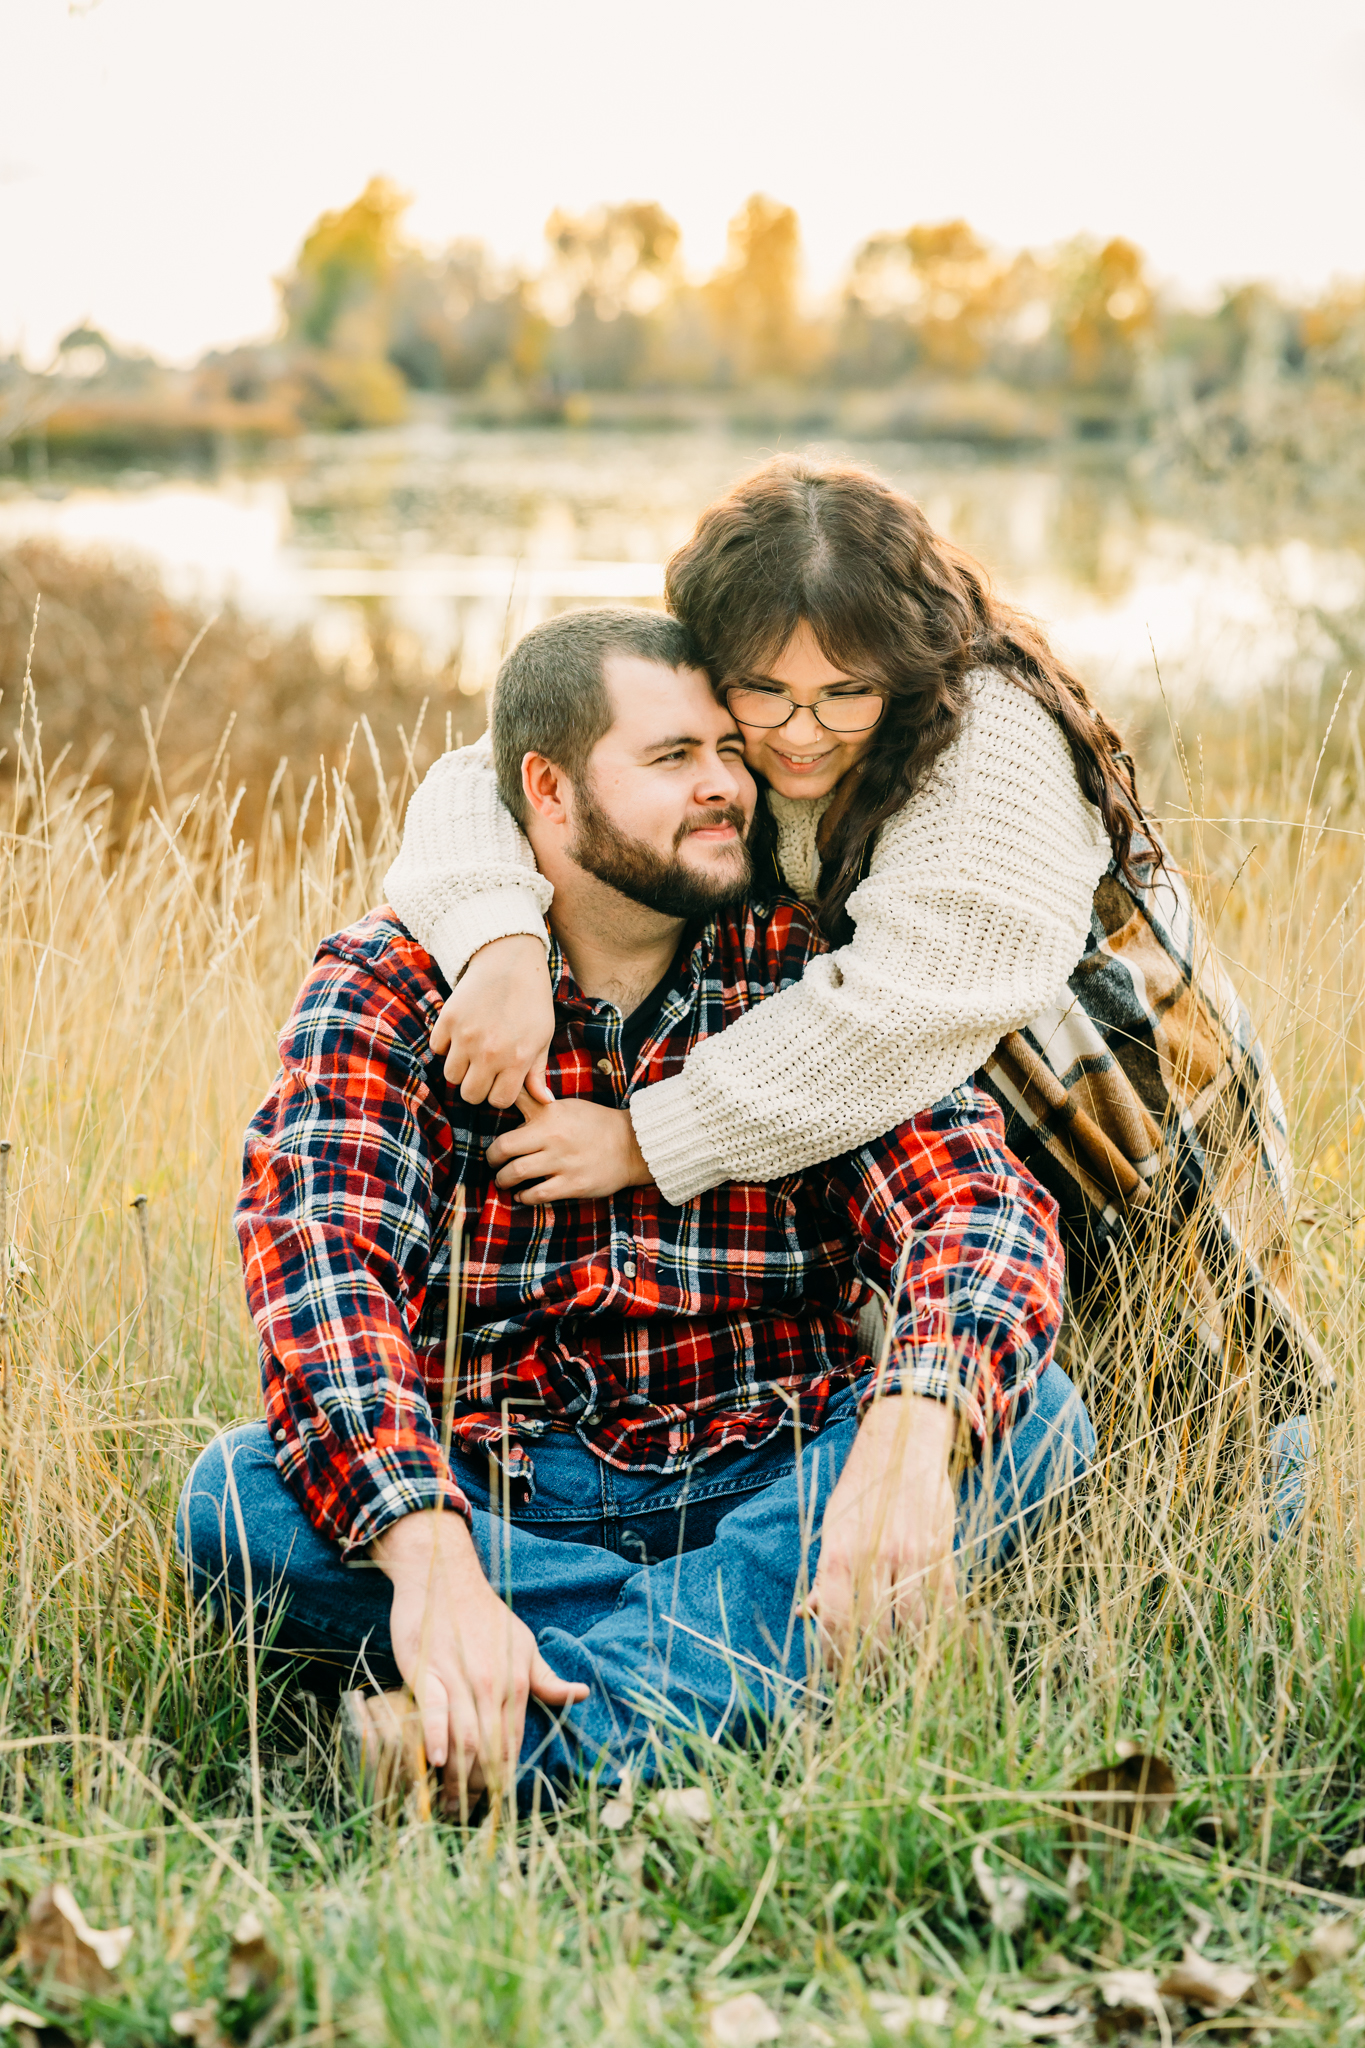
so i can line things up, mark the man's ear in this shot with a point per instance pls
(547, 789)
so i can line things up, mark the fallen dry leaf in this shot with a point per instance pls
(1353, 1858)
(253, 1965)
(12, 2015)
(742, 2022)
(898, 2014)
(1038, 2026)
(1130, 1991)
(618, 1810)
(686, 1802)
(1120, 1798)
(199, 2024)
(1217, 1987)
(59, 1946)
(1326, 1947)
(1077, 1885)
(1006, 1895)
(1056, 1995)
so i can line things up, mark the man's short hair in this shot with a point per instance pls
(551, 694)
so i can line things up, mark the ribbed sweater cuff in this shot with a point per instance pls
(459, 931)
(677, 1151)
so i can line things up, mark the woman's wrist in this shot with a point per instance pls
(638, 1174)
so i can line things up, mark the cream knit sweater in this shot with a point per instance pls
(973, 914)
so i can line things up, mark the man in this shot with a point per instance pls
(600, 1510)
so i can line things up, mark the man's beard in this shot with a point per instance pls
(667, 885)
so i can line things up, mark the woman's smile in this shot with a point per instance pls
(801, 757)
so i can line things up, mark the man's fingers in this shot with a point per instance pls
(435, 1710)
(518, 1171)
(550, 1689)
(537, 1087)
(515, 1144)
(555, 1187)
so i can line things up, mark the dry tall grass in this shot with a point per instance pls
(143, 986)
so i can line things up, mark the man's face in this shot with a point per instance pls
(665, 807)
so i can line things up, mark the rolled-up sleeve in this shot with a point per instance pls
(962, 1243)
(334, 1220)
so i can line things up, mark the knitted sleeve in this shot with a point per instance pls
(465, 874)
(973, 914)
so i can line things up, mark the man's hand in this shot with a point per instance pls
(470, 1663)
(886, 1542)
(572, 1151)
(496, 1026)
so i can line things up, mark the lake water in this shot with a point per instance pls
(468, 536)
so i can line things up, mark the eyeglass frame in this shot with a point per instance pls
(844, 732)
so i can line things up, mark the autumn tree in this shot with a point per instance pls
(939, 285)
(1107, 312)
(754, 296)
(337, 304)
(611, 271)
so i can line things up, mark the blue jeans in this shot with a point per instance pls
(672, 1596)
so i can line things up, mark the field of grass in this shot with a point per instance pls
(835, 1888)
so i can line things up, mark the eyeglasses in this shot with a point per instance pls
(857, 712)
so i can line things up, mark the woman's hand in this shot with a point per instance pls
(569, 1151)
(886, 1542)
(496, 1026)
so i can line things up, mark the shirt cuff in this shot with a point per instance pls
(937, 1370)
(677, 1151)
(459, 932)
(385, 1484)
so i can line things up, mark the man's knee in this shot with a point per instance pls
(213, 1519)
(1064, 1422)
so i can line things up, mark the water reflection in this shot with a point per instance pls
(466, 537)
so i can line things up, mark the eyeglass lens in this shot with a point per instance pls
(770, 708)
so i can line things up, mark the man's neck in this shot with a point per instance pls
(617, 950)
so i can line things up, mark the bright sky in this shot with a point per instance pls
(160, 159)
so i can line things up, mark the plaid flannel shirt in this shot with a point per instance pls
(660, 1334)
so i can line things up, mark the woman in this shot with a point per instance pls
(939, 789)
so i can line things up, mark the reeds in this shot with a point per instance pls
(143, 982)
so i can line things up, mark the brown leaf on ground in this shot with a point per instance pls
(898, 2014)
(12, 2015)
(1006, 1896)
(381, 1742)
(742, 2022)
(253, 1965)
(1120, 1798)
(1077, 1885)
(617, 1811)
(1134, 1991)
(199, 2025)
(691, 1803)
(59, 1947)
(1216, 1987)
(1325, 1948)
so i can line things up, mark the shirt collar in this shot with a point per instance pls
(689, 968)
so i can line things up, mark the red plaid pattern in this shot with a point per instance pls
(660, 1334)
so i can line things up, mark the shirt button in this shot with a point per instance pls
(604, 1066)
(629, 1269)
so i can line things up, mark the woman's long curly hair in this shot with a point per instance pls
(886, 598)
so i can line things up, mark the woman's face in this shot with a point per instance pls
(802, 757)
